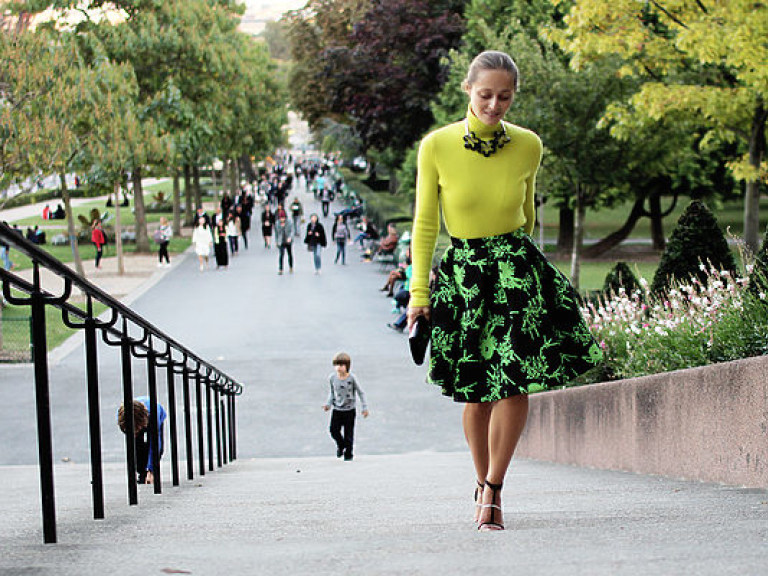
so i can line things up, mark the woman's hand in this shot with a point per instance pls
(415, 312)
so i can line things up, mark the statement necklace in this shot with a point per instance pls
(485, 147)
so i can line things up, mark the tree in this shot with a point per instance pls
(47, 94)
(321, 25)
(385, 82)
(703, 60)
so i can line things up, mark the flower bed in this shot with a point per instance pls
(694, 324)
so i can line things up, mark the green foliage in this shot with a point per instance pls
(758, 278)
(621, 277)
(696, 244)
(694, 323)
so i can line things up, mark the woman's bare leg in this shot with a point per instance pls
(506, 425)
(476, 419)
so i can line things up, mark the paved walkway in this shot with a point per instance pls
(287, 506)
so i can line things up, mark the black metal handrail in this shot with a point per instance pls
(136, 338)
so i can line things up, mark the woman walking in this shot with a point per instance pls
(220, 244)
(99, 239)
(267, 225)
(315, 240)
(202, 239)
(341, 235)
(505, 322)
(164, 235)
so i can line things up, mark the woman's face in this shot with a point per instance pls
(490, 95)
(313, 219)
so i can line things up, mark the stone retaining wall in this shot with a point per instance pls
(708, 423)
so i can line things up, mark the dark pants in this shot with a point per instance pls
(99, 253)
(233, 244)
(162, 253)
(142, 454)
(326, 207)
(343, 419)
(283, 249)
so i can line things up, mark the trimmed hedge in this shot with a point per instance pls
(380, 207)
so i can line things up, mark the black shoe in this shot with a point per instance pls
(347, 457)
(339, 452)
(395, 327)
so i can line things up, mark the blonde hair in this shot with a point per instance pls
(493, 60)
(342, 359)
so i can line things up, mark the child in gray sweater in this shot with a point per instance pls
(341, 398)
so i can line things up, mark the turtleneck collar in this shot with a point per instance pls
(477, 126)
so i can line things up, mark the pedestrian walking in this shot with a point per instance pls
(297, 213)
(163, 237)
(315, 241)
(202, 239)
(341, 400)
(504, 321)
(326, 196)
(284, 241)
(267, 225)
(342, 236)
(233, 233)
(99, 239)
(220, 244)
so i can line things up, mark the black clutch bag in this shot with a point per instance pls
(418, 339)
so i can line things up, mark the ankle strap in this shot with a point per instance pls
(494, 486)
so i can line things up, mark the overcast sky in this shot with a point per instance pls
(257, 11)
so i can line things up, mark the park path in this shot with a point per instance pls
(287, 506)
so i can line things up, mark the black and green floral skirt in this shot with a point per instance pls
(505, 321)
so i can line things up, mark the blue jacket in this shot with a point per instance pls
(160, 420)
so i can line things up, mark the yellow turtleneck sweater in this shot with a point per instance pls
(479, 196)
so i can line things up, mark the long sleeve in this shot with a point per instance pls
(329, 402)
(426, 224)
(361, 395)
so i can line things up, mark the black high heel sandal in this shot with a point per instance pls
(492, 524)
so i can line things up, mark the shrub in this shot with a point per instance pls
(620, 276)
(758, 277)
(692, 324)
(697, 239)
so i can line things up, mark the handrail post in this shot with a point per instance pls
(154, 429)
(37, 301)
(209, 417)
(233, 427)
(187, 420)
(200, 429)
(43, 405)
(90, 325)
(224, 435)
(170, 381)
(218, 426)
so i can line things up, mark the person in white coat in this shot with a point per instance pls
(203, 242)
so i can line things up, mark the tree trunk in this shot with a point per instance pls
(196, 184)
(752, 193)
(71, 225)
(615, 238)
(176, 203)
(235, 175)
(578, 229)
(657, 224)
(118, 233)
(140, 214)
(394, 184)
(565, 230)
(189, 211)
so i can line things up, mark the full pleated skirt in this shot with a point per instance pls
(505, 322)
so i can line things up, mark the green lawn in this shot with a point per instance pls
(15, 326)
